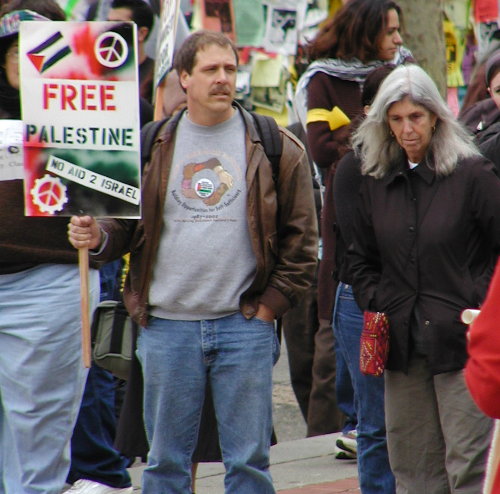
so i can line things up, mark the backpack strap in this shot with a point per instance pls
(148, 135)
(271, 140)
(266, 127)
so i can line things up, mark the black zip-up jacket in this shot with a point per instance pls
(346, 185)
(425, 247)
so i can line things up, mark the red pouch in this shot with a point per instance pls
(374, 347)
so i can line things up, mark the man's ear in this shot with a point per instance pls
(142, 34)
(183, 78)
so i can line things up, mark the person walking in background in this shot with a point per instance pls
(142, 14)
(222, 250)
(483, 118)
(362, 35)
(426, 237)
(374, 471)
(311, 357)
(97, 465)
(481, 115)
(41, 370)
(477, 89)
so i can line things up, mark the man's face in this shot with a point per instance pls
(122, 15)
(211, 86)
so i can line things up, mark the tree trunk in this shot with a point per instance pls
(423, 34)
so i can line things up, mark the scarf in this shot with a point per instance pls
(348, 70)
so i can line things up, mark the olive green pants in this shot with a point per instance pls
(437, 437)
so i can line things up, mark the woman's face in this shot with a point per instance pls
(12, 65)
(390, 40)
(494, 89)
(412, 126)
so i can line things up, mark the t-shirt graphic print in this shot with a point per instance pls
(205, 246)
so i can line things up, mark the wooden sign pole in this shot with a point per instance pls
(83, 263)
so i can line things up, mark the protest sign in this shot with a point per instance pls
(11, 150)
(166, 39)
(80, 110)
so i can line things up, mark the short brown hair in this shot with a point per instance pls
(186, 55)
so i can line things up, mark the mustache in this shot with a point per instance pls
(221, 90)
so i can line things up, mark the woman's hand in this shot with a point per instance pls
(84, 231)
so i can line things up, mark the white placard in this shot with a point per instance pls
(11, 150)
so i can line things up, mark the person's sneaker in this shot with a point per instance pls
(84, 486)
(348, 442)
(341, 454)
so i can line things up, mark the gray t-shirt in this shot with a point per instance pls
(205, 259)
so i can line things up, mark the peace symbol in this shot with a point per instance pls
(111, 50)
(49, 194)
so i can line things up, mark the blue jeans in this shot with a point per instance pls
(41, 375)
(177, 358)
(110, 279)
(375, 475)
(344, 390)
(93, 456)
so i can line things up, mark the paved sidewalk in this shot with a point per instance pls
(303, 466)
(345, 486)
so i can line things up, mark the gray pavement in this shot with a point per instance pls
(288, 421)
(296, 461)
(294, 464)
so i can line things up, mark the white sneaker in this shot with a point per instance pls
(341, 454)
(84, 486)
(348, 442)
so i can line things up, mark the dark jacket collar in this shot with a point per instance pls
(401, 169)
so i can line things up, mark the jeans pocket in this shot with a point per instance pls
(345, 292)
(263, 320)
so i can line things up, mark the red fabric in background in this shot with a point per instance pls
(482, 372)
(485, 10)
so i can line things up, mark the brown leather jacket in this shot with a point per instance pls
(286, 253)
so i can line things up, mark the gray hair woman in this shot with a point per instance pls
(450, 141)
(426, 237)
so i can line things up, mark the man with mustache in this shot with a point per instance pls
(210, 272)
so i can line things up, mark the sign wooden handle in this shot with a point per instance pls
(83, 262)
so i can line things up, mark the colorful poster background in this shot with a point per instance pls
(80, 110)
(218, 15)
(166, 39)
